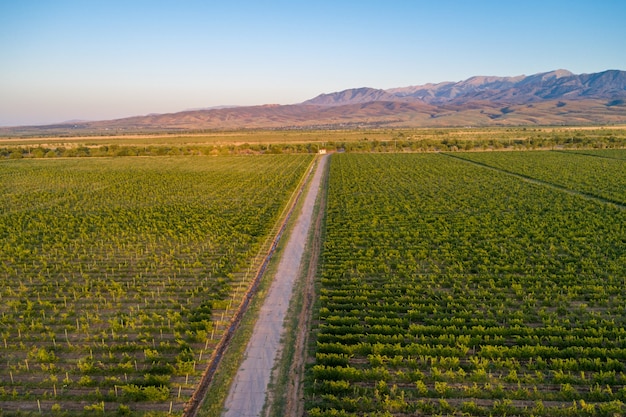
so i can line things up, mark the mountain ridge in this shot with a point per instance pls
(556, 97)
(511, 90)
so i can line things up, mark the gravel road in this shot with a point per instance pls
(249, 389)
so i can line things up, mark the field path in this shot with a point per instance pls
(249, 389)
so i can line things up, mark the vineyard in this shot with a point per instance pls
(488, 285)
(118, 275)
(603, 177)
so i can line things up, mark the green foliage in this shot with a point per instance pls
(445, 282)
(133, 392)
(123, 410)
(298, 141)
(99, 407)
(602, 176)
(115, 271)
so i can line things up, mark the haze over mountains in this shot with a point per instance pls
(552, 98)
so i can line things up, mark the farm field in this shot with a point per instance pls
(606, 153)
(598, 173)
(118, 275)
(452, 288)
(310, 141)
(473, 283)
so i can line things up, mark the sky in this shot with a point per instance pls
(66, 60)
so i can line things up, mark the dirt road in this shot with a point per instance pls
(249, 389)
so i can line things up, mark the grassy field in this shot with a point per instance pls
(119, 274)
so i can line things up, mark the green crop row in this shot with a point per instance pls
(597, 173)
(117, 274)
(448, 287)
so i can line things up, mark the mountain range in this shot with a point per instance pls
(551, 98)
(553, 85)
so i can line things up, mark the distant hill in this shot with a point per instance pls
(551, 98)
(352, 96)
(553, 85)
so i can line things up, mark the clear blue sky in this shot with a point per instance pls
(94, 60)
